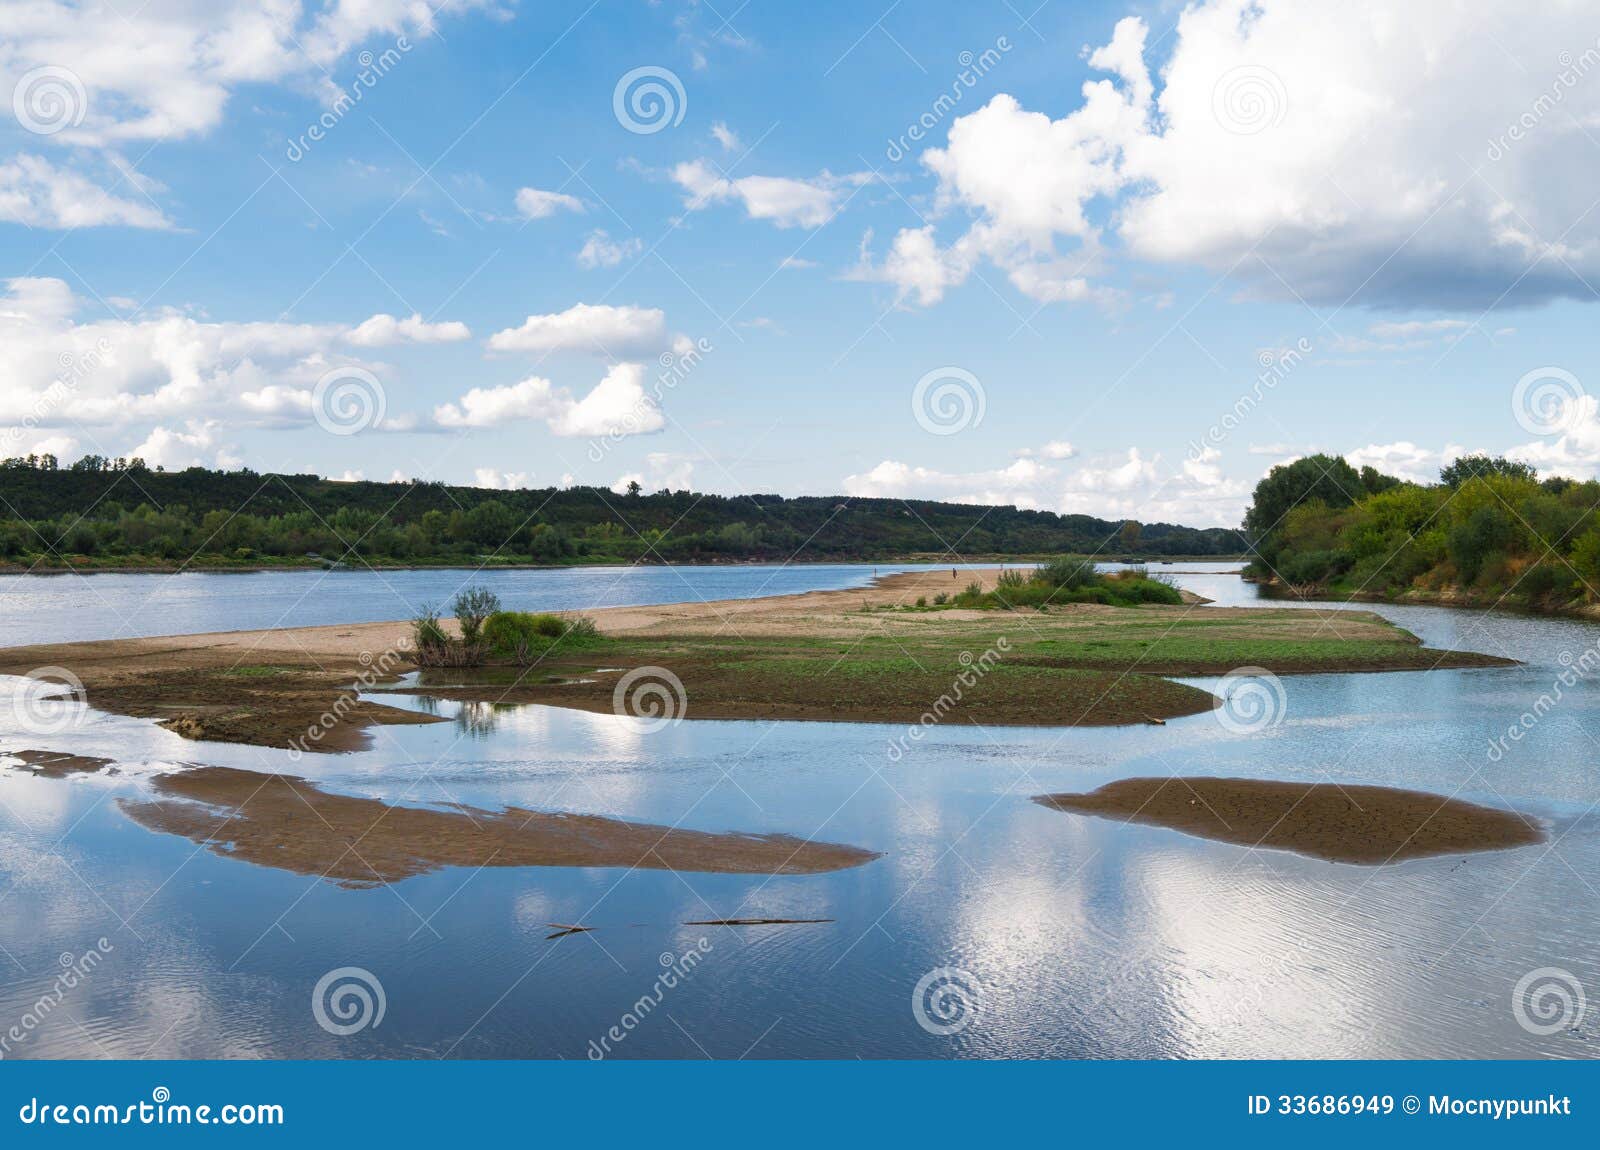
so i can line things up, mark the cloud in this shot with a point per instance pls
(1364, 185)
(618, 405)
(164, 369)
(167, 70)
(174, 450)
(1116, 486)
(502, 481)
(601, 251)
(598, 329)
(35, 192)
(726, 136)
(666, 471)
(535, 204)
(383, 330)
(788, 203)
(532, 398)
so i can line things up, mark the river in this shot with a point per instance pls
(1056, 935)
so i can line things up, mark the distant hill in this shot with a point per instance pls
(105, 513)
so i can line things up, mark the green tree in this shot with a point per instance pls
(1483, 466)
(1325, 478)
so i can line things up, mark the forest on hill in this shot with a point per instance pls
(120, 513)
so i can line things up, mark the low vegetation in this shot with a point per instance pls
(489, 634)
(1066, 580)
(1488, 532)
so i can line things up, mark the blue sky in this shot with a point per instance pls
(1268, 229)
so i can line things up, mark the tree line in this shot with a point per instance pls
(122, 513)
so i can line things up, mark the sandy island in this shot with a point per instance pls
(861, 655)
(1340, 823)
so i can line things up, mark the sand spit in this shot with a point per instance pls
(289, 823)
(1350, 824)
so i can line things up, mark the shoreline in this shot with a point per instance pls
(1463, 600)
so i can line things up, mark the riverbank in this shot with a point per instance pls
(866, 655)
(1427, 597)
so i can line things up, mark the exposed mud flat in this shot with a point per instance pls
(57, 765)
(289, 823)
(1349, 824)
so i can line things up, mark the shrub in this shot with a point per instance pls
(472, 605)
(524, 637)
(940, 599)
(922, 600)
(1068, 573)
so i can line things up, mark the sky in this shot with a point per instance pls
(1113, 258)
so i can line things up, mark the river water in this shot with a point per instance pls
(1072, 936)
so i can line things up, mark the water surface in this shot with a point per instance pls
(1079, 937)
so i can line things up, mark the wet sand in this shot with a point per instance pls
(294, 825)
(1349, 824)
